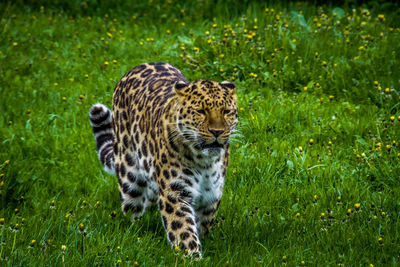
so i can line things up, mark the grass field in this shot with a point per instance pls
(315, 167)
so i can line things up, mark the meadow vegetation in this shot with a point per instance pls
(315, 164)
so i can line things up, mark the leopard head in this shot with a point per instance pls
(207, 114)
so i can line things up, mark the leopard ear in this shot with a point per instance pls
(180, 86)
(229, 85)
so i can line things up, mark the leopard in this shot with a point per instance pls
(167, 142)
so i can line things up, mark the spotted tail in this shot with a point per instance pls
(101, 121)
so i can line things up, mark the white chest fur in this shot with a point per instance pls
(210, 183)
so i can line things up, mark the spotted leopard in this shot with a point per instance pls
(167, 142)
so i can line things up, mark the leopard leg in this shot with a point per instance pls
(132, 186)
(205, 217)
(179, 222)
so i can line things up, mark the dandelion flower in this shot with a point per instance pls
(357, 206)
(113, 214)
(348, 211)
(33, 242)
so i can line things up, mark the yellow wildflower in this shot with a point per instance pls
(357, 206)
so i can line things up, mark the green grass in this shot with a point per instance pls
(325, 202)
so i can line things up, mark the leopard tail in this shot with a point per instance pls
(101, 121)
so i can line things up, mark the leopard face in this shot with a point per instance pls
(207, 115)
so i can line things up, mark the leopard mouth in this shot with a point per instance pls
(213, 145)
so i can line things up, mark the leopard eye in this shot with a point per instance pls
(201, 111)
(227, 111)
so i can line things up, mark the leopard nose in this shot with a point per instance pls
(215, 132)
